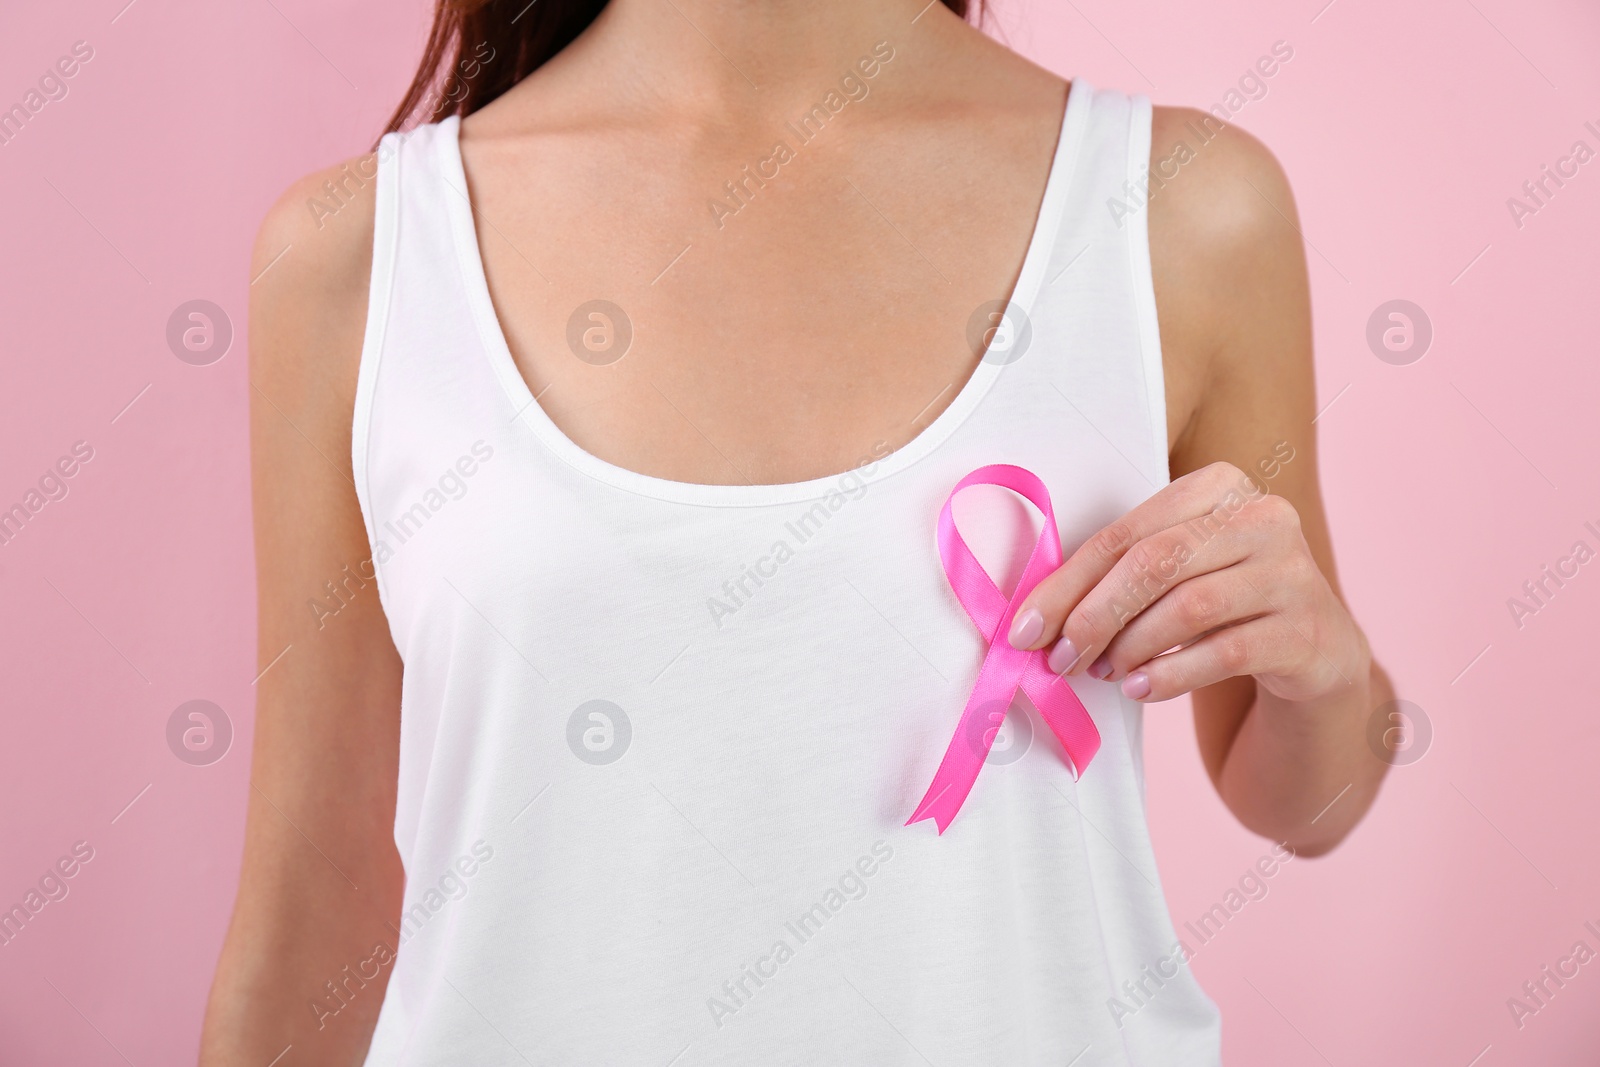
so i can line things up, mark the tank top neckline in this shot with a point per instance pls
(527, 409)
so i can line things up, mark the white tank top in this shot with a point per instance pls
(659, 740)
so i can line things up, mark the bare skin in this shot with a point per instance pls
(829, 313)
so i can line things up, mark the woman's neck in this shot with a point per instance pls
(743, 56)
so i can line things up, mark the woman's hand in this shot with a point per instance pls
(1214, 567)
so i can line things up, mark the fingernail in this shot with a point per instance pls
(1136, 686)
(1100, 668)
(1063, 656)
(1027, 628)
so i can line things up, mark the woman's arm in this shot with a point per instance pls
(1232, 560)
(321, 882)
(1230, 262)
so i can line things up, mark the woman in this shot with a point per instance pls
(619, 404)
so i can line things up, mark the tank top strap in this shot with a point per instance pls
(424, 394)
(1099, 272)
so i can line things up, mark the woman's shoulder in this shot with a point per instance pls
(309, 278)
(1227, 257)
(1218, 180)
(315, 242)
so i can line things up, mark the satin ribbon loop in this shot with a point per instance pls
(1005, 669)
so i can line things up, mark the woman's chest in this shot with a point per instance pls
(716, 326)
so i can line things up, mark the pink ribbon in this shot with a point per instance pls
(1005, 669)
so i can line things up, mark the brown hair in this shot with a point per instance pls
(478, 49)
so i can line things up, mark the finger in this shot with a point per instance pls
(1144, 575)
(1219, 486)
(1183, 615)
(1255, 647)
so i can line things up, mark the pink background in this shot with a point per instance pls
(1450, 482)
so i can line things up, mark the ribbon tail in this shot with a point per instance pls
(1063, 712)
(957, 774)
(940, 805)
(998, 678)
